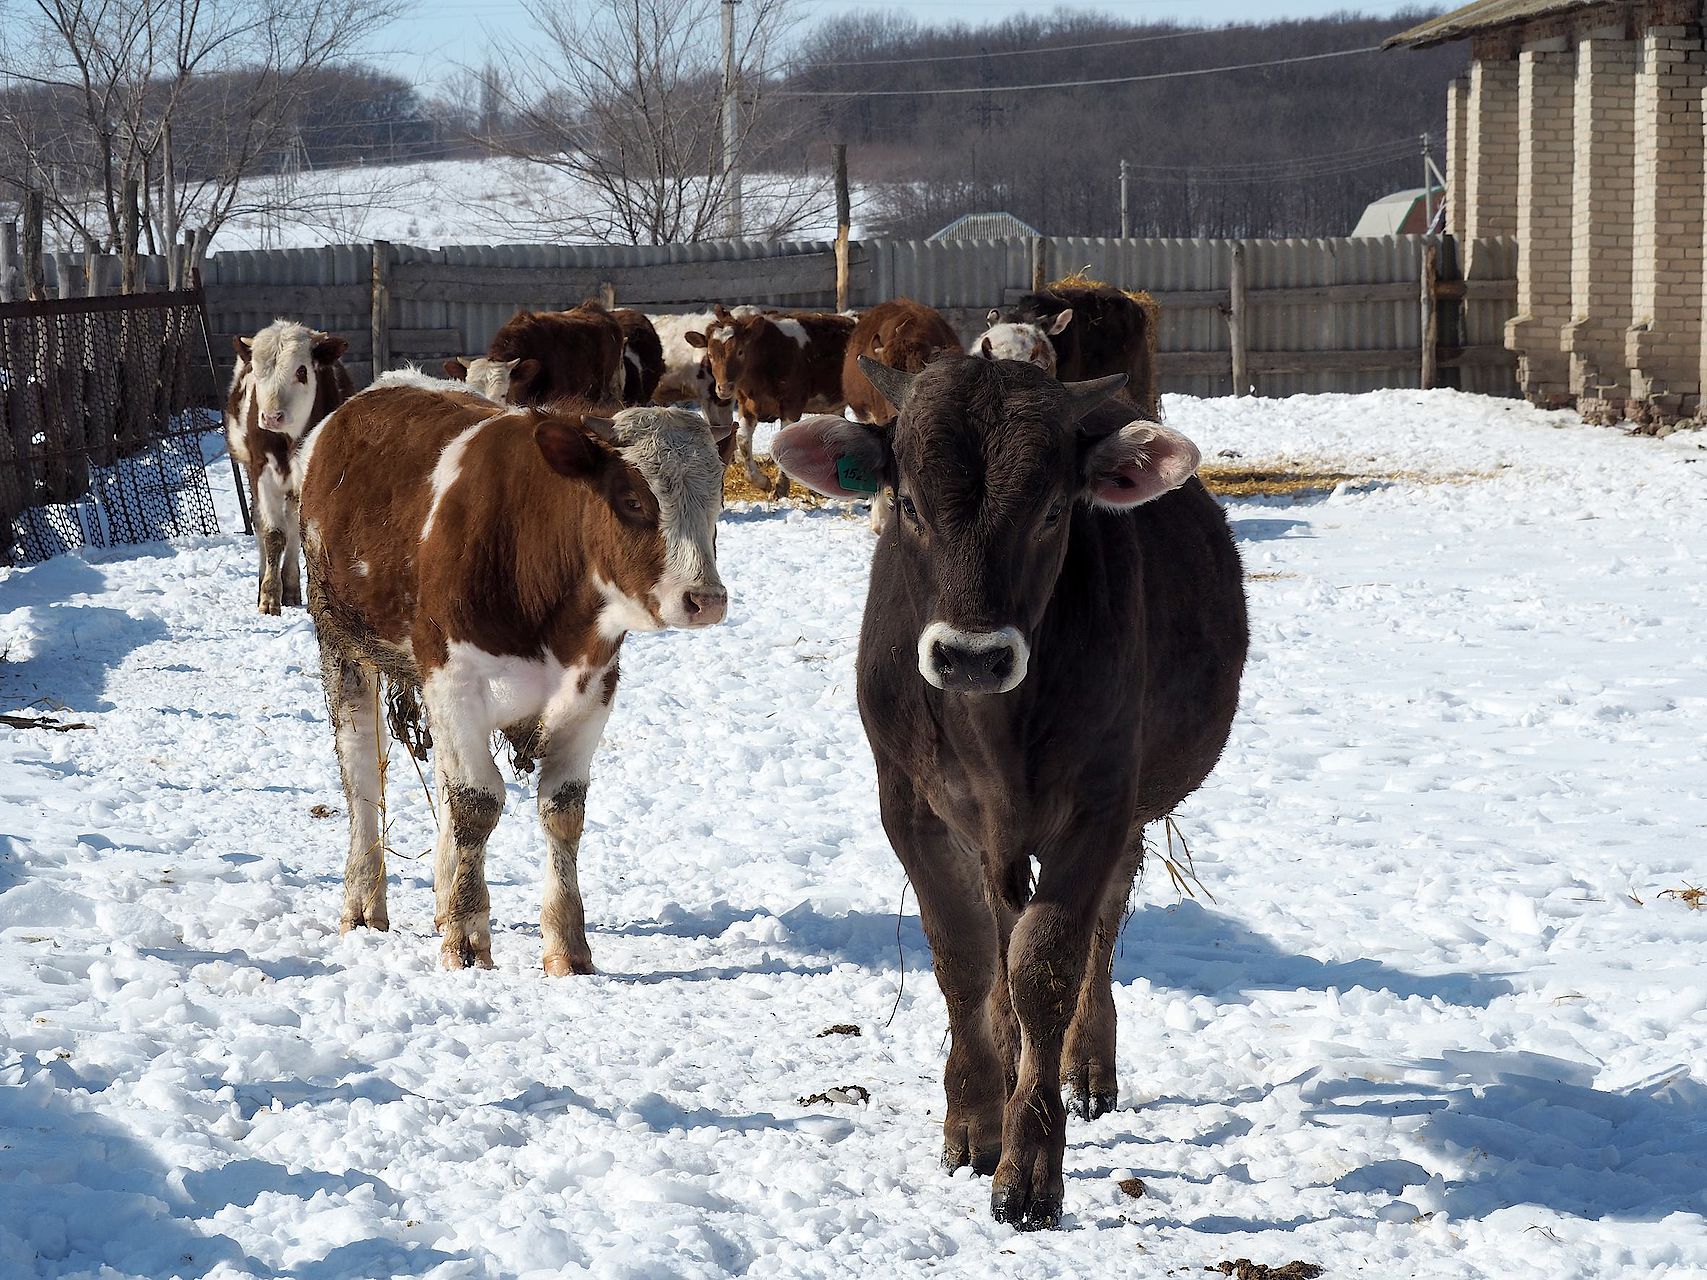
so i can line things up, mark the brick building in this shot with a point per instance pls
(1579, 130)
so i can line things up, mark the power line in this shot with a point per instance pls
(1016, 53)
(1067, 84)
(1397, 146)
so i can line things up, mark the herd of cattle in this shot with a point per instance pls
(1049, 660)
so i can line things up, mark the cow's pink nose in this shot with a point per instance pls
(704, 607)
(273, 419)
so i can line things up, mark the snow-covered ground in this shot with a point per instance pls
(451, 202)
(1439, 1019)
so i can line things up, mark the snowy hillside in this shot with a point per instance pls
(1443, 1016)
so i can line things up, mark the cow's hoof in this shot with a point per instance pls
(365, 920)
(1093, 1105)
(1090, 1090)
(465, 953)
(558, 965)
(269, 605)
(1022, 1206)
(293, 599)
(961, 1148)
(781, 488)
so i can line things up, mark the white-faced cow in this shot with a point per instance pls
(1050, 661)
(490, 378)
(687, 376)
(776, 366)
(288, 377)
(1022, 341)
(492, 560)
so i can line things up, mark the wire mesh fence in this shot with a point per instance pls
(102, 416)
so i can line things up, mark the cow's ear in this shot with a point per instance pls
(523, 373)
(1137, 464)
(328, 347)
(995, 316)
(986, 350)
(456, 369)
(1061, 322)
(694, 338)
(834, 457)
(244, 347)
(567, 447)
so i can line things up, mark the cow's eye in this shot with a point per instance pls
(1053, 516)
(302, 373)
(633, 505)
(909, 510)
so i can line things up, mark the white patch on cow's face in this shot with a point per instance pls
(1023, 342)
(792, 329)
(940, 637)
(282, 364)
(674, 453)
(447, 470)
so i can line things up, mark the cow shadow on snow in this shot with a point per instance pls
(73, 645)
(1512, 1128)
(99, 1199)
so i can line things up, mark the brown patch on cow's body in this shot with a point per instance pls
(573, 355)
(902, 334)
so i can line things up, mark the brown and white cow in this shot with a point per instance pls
(491, 378)
(562, 355)
(900, 333)
(492, 560)
(288, 377)
(1049, 662)
(642, 357)
(776, 367)
(1018, 340)
(687, 377)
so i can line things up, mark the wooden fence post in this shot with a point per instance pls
(1237, 312)
(1430, 337)
(1039, 263)
(844, 218)
(169, 212)
(380, 307)
(131, 217)
(8, 261)
(65, 278)
(91, 269)
(35, 284)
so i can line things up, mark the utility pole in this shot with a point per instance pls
(1428, 188)
(1125, 202)
(731, 124)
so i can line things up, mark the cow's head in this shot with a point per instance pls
(990, 465)
(727, 345)
(658, 472)
(1023, 341)
(490, 378)
(286, 360)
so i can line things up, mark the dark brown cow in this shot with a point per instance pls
(775, 367)
(642, 357)
(1109, 333)
(288, 377)
(900, 333)
(1050, 661)
(491, 560)
(575, 355)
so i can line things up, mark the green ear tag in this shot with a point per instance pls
(851, 476)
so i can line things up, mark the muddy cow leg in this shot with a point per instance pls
(270, 524)
(748, 416)
(292, 568)
(966, 953)
(570, 734)
(471, 796)
(351, 689)
(1088, 1059)
(1047, 954)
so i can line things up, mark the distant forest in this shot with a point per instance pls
(1294, 150)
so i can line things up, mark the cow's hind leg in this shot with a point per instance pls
(966, 953)
(291, 575)
(1047, 954)
(570, 737)
(471, 796)
(1088, 1059)
(352, 690)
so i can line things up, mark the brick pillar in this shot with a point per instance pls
(1663, 344)
(1545, 117)
(1604, 203)
(1457, 152)
(1490, 136)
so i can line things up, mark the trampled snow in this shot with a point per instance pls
(1439, 1019)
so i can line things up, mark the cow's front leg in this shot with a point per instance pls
(270, 537)
(749, 421)
(291, 594)
(471, 796)
(1088, 1059)
(1046, 964)
(966, 953)
(571, 733)
(352, 690)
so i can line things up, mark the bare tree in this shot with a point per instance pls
(176, 101)
(623, 98)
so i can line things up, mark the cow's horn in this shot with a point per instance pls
(893, 383)
(1082, 397)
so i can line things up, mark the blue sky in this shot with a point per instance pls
(438, 35)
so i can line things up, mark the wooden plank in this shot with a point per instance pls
(360, 342)
(1271, 362)
(1430, 355)
(292, 299)
(379, 306)
(666, 282)
(1186, 364)
(1237, 308)
(1487, 355)
(406, 344)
